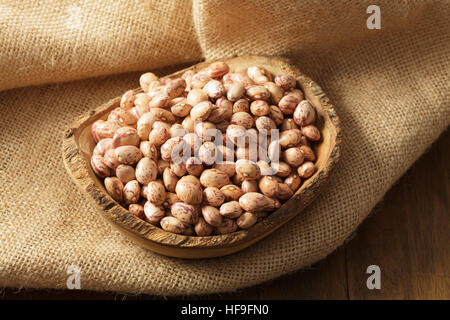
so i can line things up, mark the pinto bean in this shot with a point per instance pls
(115, 188)
(246, 220)
(255, 202)
(99, 166)
(156, 193)
(185, 212)
(311, 132)
(306, 170)
(213, 196)
(189, 192)
(227, 226)
(172, 224)
(202, 228)
(230, 209)
(131, 192)
(304, 113)
(214, 178)
(212, 216)
(231, 192)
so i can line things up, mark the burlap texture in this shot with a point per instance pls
(390, 88)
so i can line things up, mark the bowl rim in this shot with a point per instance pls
(80, 170)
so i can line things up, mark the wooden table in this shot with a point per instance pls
(407, 236)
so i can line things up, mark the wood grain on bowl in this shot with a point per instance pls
(78, 145)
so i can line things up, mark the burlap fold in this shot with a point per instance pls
(390, 88)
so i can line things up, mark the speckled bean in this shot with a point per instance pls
(214, 178)
(171, 198)
(175, 88)
(207, 153)
(181, 108)
(311, 132)
(144, 125)
(196, 96)
(241, 105)
(103, 146)
(265, 124)
(204, 130)
(128, 154)
(202, 228)
(189, 192)
(227, 226)
(217, 69)
(156, 193)
(146, 79)
(288, 124)
(137, 210)
(308, 153)
(288, 104)
(214, 89)
(110, 159)
(213, 196)
(281, 168)
(104, 129)
(259, 75)
(201, 111)
(185, 212)
(163, 115)
(290, 138)
(123, 117)
(246, 220)
(284, 192)
(255, 202)
(194, 166)
(115, 188)
(286, 82)
(293, 156)
(295, 92)
(131, 192)
(172, 224)
(276, 115)
(268, 186)
(293, 181)
(212, 216)
(243, 119)
(249, 186)
(199, 80)
(99, 166)
(304, 113)
(258, 93)
(306, 170)
(235, 91)
(125, 136)
(230, 209)
(229, 167)
(159, 136)
(276, 92)
(170, 179)
(127, 100)
(172, 148)
(146, 170)
(248, 169)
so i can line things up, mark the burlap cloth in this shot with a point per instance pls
(390, 88)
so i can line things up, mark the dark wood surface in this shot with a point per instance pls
(407, 236)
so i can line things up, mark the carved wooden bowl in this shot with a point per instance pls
(78, 145)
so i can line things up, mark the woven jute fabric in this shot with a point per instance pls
(390, 88)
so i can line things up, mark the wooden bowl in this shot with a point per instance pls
(78, 145)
